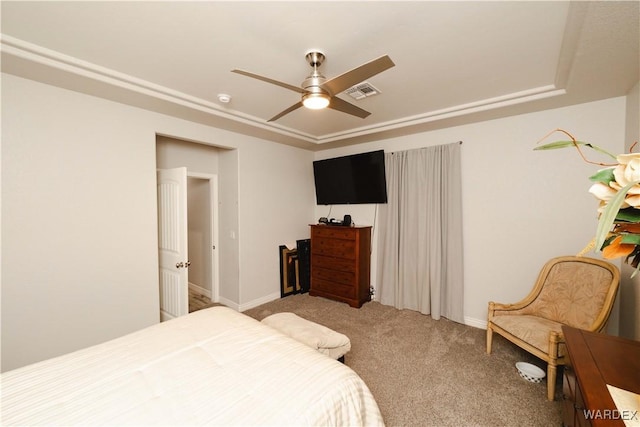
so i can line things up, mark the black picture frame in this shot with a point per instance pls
(289, 272)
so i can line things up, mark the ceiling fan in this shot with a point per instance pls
(318, 92)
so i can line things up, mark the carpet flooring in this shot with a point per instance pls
(424, 372)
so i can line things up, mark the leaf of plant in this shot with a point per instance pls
(564, 144)
(630, 239)
(555, 145)
(609, 214)
(604, 176)
(629, 215)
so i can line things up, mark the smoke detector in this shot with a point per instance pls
(224, 98)
(362, 90)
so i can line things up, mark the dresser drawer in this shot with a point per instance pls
(569, 384)
(346, 278)
(331, 263)
(337, 248)
(580, 406)
(334, 232)
(340, 263)
(568, 397)
(333, 288)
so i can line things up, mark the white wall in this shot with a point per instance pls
(229, 253)
(79, 216)
(276, 206)
(629, 294)
(79, 232)
(78, 221)
(520, 207)
(199, 158)
(199, 235)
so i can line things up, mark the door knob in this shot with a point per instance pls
(179, 264)
(187, 264)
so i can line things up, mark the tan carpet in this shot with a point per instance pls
(430, 373)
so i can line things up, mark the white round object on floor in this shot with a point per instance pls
(530, 372)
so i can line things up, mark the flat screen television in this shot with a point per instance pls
(355, 179)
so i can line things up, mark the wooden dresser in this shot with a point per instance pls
(340, 263)
(596, 360)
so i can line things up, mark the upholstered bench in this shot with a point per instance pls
(321, 338)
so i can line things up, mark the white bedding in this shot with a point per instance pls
(214, 366)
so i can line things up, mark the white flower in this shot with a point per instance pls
(602, 191)
(605, 193)
(628, 171)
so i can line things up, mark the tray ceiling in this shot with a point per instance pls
(456, 62)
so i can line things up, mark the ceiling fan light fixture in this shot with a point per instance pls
(315, 101)
(318, 92)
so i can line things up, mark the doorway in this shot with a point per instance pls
(210, 166)
(202, 226)
(187, 240)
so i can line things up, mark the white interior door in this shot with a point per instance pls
(172, 243)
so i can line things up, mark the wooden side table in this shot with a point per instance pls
(596, 360)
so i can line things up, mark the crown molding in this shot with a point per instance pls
(50, 58)
(456, 111)
(40, 55)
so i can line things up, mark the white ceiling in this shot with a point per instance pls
(456, 61)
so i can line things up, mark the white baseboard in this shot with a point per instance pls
(259, 301)
(476, 323)
(200, 290)
(250, 304)
(228, 303)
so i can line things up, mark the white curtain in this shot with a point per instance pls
(420, 233)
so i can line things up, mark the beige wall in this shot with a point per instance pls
(629, 294)
(520, 207)
(79, 217)
(199, 236)
(78, 221)
(200, 158)
(276, 205)
(79, 232)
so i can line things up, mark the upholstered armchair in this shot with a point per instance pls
(573, 291)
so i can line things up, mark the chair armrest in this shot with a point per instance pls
(506, 308)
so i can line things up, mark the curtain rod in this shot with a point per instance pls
(459, 142)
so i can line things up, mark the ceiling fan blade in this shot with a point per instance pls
(268, 80)
(346, 107)
(357, 75)
(287, 111)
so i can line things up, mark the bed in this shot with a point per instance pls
(214, 366)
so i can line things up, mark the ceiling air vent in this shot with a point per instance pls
(362, 90)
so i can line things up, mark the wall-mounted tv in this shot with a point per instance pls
(355, 179)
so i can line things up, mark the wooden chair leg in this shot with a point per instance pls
(552, 367)
(489, 339)
(489, 330)
(551, 381)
